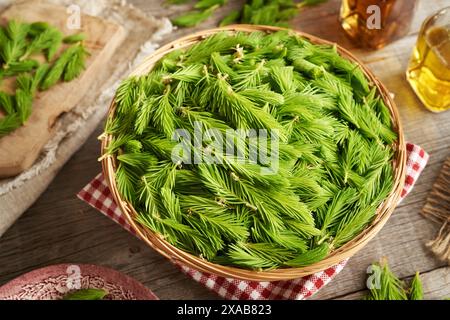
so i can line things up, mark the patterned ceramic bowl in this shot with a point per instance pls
(53, 282)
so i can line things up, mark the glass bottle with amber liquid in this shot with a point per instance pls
(375, 23)
(429, 68)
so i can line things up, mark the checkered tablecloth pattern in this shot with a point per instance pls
(98, 195)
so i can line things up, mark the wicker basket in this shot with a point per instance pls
(176, 255)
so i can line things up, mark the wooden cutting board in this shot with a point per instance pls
(20, 148)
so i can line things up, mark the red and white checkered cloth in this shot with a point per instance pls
(98, 195)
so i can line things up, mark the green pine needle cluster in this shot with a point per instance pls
(264, 12)
(19, 44)
(390, 287)
(335, 155)
(86, 294)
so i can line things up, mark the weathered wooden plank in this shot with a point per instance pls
(60, 228)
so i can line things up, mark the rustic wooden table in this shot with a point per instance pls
(60, 228)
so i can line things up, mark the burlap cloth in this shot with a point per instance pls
(19, 193)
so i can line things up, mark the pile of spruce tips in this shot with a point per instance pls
(335, 149)
(20, 46)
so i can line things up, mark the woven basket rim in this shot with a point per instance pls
(181, 257)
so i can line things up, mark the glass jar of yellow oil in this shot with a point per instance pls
(373, 24)
(429, 68)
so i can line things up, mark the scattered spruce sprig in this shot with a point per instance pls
(230, 18)
(19, 44)
(68, 66)
(74, 38)
(335, 163)
(195, 17)
(415, 291)
(46, 40)
(385, 285)
(86, 294)
(265, 12)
